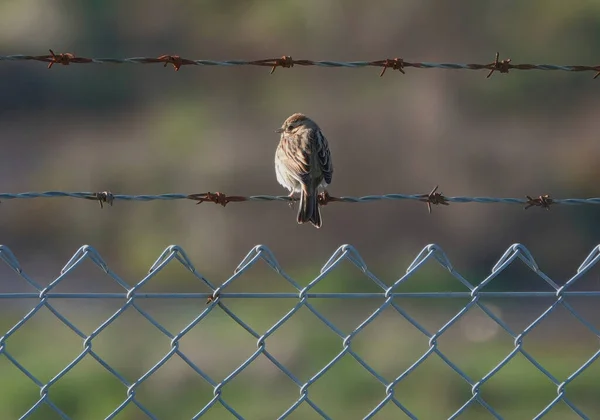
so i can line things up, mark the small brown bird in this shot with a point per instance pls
(303, 164)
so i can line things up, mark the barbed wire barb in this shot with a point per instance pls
(502, 66)
(63, 58)
(434, 198)
(324, 198)
(103, 197)
(543, 201)
(286, 62)
(217, 198)
(175, 60)
(394, 64)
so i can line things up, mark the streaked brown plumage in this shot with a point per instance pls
(303, 164)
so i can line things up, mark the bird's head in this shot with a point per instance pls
(294, 122)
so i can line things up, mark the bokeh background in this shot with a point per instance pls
(136, 129)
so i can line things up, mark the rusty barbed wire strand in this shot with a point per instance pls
(431, 198)
(286, 61)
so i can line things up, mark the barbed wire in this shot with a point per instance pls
(286, 61)
(432, 198)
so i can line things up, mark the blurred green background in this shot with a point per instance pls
(149, 130)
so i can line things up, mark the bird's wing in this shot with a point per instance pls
(324, 156)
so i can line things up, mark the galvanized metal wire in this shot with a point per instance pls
(218, 301)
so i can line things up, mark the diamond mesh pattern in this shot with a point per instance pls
(218, 301)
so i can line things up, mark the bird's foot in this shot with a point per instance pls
(292, 202)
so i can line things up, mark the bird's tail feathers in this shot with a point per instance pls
(309, 210)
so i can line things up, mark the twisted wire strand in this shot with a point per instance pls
(432, 198)
(502, 66)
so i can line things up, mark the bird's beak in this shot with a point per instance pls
(279, 130)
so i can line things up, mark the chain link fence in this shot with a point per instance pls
(352, 361)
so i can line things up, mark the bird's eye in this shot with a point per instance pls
(289, 127)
